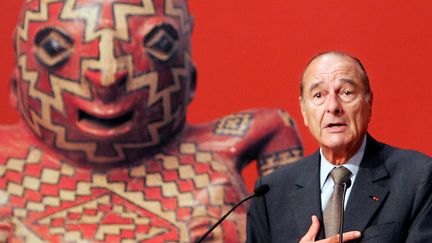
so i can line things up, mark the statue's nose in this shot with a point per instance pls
(105, 87)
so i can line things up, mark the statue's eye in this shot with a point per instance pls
(161, 42)
(52, 47)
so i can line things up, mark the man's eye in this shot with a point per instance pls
(161, 42)
(347, 95)
(318, 97)
(53, 47)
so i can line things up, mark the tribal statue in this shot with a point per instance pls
(102, 152)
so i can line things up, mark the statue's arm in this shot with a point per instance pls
(268, 136)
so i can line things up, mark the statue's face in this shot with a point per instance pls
(101, 81)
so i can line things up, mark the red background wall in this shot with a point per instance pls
(250, 53)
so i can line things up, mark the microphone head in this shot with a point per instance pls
(348, 184)
(261, 190)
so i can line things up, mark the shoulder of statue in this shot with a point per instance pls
(248, 134)
(252, 124)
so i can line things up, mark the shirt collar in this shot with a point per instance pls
(353, 164)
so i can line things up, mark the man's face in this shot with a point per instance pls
(334, 105)
(101, 80)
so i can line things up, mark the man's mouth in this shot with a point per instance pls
(336, 127)
(331, 125)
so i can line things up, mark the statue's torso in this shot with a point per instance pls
(173, 195)
(165, 198)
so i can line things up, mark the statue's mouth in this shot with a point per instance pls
(105, 125)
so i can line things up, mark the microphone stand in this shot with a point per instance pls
(223, 217)
(347, 184)
(259, 191)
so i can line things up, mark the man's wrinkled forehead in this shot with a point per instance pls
(336, 66)
(331, 65)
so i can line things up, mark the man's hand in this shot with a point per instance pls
(313, 231)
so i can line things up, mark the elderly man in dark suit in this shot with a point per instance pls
(390, 199)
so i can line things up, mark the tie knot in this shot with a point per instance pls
(340, 175)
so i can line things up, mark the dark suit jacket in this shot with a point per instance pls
(390, 201)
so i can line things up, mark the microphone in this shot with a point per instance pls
(259, 191)
(347, 185)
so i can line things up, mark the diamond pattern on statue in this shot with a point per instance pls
(156, 201)
(106, 218)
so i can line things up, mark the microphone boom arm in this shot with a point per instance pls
(223, 218)
(259, 191)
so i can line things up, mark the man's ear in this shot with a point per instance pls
(301, 103)
(370, 104)
(192, 85)
(192, 22)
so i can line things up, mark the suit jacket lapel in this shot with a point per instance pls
(366, 196)
(306, 200)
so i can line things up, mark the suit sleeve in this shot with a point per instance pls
(258, 229)
(421, 228)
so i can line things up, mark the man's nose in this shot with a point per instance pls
(334, 105)
(107, 87)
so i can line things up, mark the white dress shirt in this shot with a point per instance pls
(353, 165)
